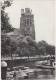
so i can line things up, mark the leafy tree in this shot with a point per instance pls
(50, 50)
(5, 45)
(5, 25)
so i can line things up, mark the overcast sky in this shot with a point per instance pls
(43, 11)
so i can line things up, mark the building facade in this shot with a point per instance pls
(27, 23)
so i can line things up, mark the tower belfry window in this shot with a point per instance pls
(24, 22)
(28, 22)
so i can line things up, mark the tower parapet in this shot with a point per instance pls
(27, 11)
(22, 11)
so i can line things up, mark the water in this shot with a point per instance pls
(38, 72)
(43, 74)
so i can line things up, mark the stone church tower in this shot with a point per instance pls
(27, 23)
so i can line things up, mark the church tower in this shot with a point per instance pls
(27, 23)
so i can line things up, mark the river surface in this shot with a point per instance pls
(39, 73)
(43, 74)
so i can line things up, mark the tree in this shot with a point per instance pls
(5, 45)
(42, 47)
(50, 50)
(5, 25)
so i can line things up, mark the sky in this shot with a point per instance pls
(43, 11)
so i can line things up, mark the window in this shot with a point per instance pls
(27, 22)
(30, 22)
(24, 22)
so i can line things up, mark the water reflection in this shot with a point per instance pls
(41, 73)
(44, 73)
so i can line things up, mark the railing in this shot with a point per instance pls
(30, 58)
(13, 58)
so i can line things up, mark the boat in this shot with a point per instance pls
(50, 64)
(45, 67)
